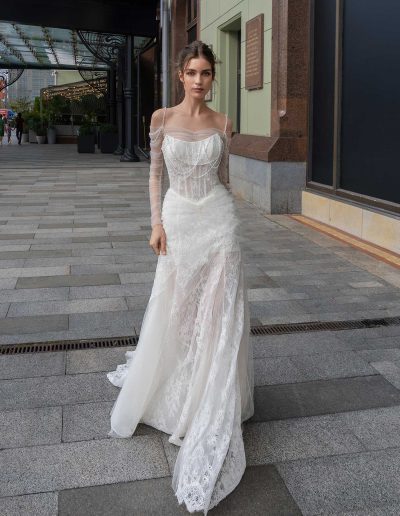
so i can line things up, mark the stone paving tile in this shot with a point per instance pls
(376, 428)
(55, 390)
(109, 268)
(140, 290)
(17, 248)
(70, 260)
(70, 280)
(73, 225)
(87, 421)
(94, 360)
(276, 370)
(32, 364)
(7, 283)
(306, 367)
(42, 504)
(356, 481)
(43, 294)
(10, 255)
(273, 294)
(286, 440)
(33, 271)
(260, 492)
(69, 465)
(34, 324)
(319, 366)
(323, 397)
(389, 370)
(72, 246)
(392, 509)
(12, 264)
(123, 321)
(289, 344)
(30, 427)
(379, 355)
(67, 307)
(16, 236)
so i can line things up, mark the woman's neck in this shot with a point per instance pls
(192, 107)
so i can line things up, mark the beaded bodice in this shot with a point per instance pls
(196, 161)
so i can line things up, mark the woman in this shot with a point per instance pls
(10, 129)
(191, 374)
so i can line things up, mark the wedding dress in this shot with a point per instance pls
(191, 374)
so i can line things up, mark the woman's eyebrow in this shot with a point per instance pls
(193, 70)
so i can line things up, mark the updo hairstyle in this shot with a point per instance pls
(195, 50)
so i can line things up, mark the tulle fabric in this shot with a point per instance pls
(191, 374)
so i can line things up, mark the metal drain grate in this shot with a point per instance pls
(278, 329)
(66, 345)
(268, 329)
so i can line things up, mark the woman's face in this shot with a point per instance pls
(196, 77)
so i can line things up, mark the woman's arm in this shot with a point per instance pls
(156, 166)
(223, 169)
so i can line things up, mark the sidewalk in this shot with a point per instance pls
(75, 264)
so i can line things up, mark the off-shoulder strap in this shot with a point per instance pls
(226, 123)
(163, 120)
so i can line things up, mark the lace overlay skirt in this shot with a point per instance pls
(191, 374)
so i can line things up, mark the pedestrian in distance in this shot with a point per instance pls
(19, 126)
(191, 374)
(10, 129)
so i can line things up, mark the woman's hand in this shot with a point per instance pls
(158, 240)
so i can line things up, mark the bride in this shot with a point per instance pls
(191, 374)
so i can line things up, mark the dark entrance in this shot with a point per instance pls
(108, 36)
(355, 101)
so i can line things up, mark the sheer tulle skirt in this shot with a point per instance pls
(191, 374)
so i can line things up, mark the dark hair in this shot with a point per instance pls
(194, 50)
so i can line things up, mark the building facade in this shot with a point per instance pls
(29, 84)
(312, 90)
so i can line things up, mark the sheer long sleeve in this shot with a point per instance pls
(156, 166)
(223, 169)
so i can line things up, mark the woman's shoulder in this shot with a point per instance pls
(221, 120)
(157, 117)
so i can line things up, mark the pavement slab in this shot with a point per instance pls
(75, 264)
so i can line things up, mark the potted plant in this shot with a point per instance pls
(86, 137)
(41, 133)
(108, 138)
(32, 121)
(54, 108)
(51, 134)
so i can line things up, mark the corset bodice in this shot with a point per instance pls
(196, 160)
(192, 166)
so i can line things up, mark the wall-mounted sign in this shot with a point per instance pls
(254, 53)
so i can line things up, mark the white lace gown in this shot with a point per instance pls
(191, 374)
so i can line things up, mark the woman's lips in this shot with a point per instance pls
(198, 89)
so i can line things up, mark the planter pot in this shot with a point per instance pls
(24, 138)
(41, 139)
(51, 135)
(108, 142)
(86, 143)
(32, 136)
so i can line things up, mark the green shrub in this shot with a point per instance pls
(86, 128)
(108, 128)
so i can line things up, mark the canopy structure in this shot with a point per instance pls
(29, 46)
(102, 39)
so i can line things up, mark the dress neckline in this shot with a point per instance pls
(165, 128)
(196, 141)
